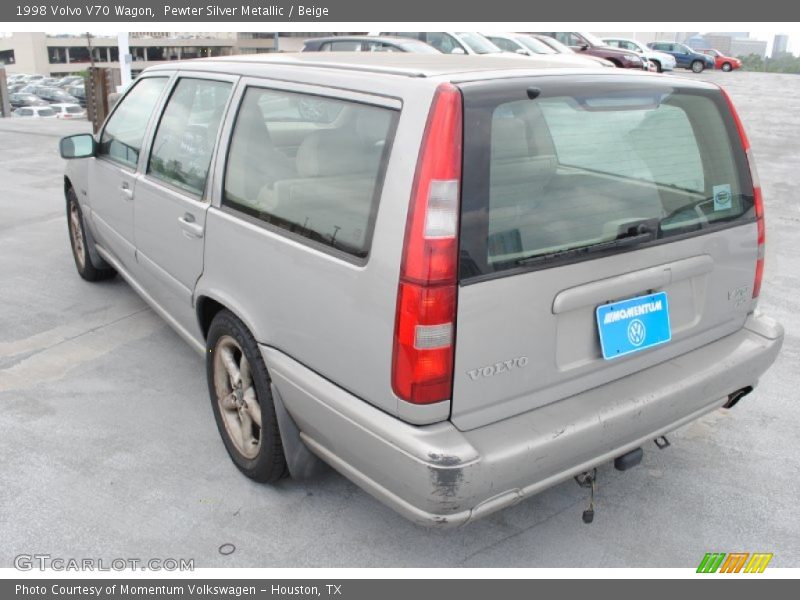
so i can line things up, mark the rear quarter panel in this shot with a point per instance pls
(333, 315)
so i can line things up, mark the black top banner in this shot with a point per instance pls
(492, 11)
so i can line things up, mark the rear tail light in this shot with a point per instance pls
(758, 198)
(422, 361)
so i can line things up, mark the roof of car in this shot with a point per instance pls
(385, 63)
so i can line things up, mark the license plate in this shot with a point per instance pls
(633, 325)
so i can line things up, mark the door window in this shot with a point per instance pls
(187, 133)
(319, 180)
(122, 137)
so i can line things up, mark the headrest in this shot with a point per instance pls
(509, 139)
(251, 121)
(330, 152)
(372, 125)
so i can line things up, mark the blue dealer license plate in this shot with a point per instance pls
(633, 325)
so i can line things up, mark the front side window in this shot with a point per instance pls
(504, 44)
(317, 178)
(122, 137)
(569, 38)
(187, 133)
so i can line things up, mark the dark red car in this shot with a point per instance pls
(726, 63)
(586, 43)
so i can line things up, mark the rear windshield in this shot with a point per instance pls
(74, 109)
(591, 168)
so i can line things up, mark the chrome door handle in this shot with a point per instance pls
(190, 227)
(126, 190)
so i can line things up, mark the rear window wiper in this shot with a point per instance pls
(631, 234)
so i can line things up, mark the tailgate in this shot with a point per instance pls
(586, 194)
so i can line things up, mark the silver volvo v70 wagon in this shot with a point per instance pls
(457, 280)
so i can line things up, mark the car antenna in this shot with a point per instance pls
(533, 93)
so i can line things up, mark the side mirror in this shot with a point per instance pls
(523, 52)
(82, 145)
(584, 47)
(457, 51)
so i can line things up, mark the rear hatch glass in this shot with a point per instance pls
(562, 175)
(583, 193)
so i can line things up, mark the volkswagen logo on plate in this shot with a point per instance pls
(636, 332)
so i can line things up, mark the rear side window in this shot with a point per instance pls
(188, 132)
(293, 166)
(576, 171)
(347, 46)
(123, 134)
(46, 112)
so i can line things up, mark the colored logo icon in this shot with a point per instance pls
(735, 562)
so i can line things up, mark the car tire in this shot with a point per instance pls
(658, 66)
(698, 66)
(727, 67)
(241, 398)
(79, 242)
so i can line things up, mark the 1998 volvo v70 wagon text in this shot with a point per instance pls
(458, 280)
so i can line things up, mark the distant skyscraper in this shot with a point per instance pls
(780, 44)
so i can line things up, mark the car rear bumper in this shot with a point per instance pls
(437, 475)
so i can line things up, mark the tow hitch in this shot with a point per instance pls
(587, 480)
(734, 398)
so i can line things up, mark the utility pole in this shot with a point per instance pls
(91, 51)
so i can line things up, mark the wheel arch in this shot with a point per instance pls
(209, 303)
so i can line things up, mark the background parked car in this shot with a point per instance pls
(35, 112)
(685, 57)
(18, 100)
(586, 43)
(562, 49)
(367, 43)
(451, 42)
(661, 60)
(69, 111)
(79, 92)
(528, 45)
(725, 63)
(69, 80)
(51, 94)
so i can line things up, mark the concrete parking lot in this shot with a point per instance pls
(109, 447)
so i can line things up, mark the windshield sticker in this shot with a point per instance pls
(722, 197)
